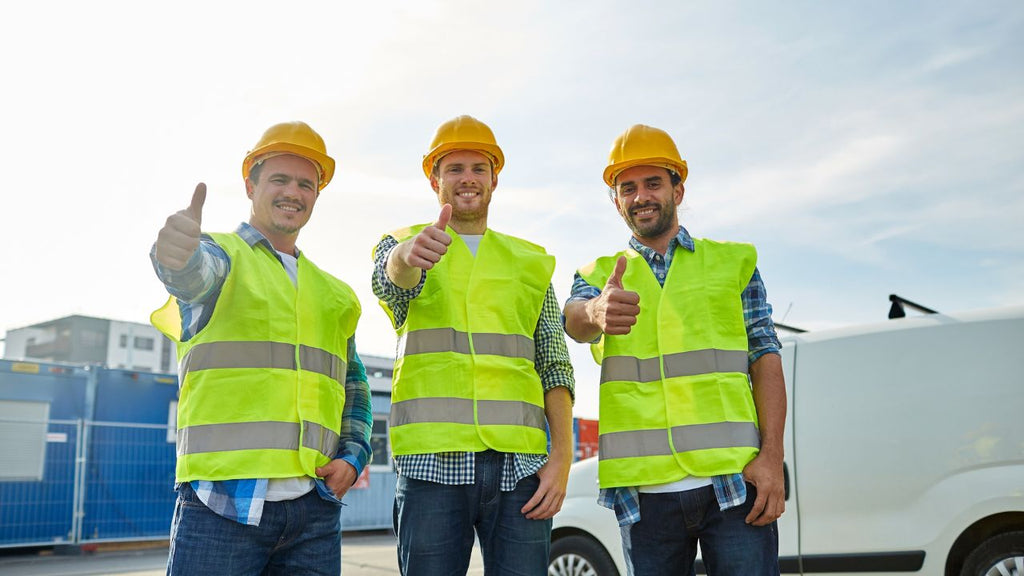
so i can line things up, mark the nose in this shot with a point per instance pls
(292, 189)
(643, 195)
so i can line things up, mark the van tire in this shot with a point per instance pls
(1004, 551)
(582, 555)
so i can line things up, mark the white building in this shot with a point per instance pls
(88, 340)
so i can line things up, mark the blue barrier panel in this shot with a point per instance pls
(129, 483)
(40, 406)
(130, 474)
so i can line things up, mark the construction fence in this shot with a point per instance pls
(78, 481)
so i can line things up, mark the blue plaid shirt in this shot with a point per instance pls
(730, 489)
(552, 364)
(197, 287)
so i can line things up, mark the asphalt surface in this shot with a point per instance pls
(362, 554)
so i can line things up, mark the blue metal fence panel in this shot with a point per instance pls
(43, 512)
(129, 482)
(113, 425)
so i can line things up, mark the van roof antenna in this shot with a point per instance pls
(898, 303)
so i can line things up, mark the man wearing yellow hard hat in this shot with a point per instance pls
(682, 329)
(274, 409)
(481, 372)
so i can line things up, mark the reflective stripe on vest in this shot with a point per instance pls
(460, 411)
(631, 369)
(450, 340)
(214, 355)
(688, 438)
(256, 436)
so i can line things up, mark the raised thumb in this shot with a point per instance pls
(616, 278)
(195, 209)
(444, 217)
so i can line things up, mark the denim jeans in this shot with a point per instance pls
(664, 541)
(300, 537)
(435, 525)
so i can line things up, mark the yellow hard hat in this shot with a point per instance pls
(292, 138)
(463, 133)
(642, 145)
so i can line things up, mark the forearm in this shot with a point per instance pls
(383, 286)
(769, 390)
(558, 410)
(578, 324)
(202, 275)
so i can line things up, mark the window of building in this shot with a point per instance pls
(143, 343)
(124, 341)
(379, 442)
(23, 440)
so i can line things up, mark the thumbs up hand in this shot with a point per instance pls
(411, 257)
(616, 309)
(426, 248)
(179, 238)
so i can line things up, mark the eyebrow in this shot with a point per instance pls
(290, 177)
(648, 180)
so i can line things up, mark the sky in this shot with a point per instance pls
(866, 148)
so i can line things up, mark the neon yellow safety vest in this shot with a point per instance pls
(464, 378)
(263, 383)
(675, 394)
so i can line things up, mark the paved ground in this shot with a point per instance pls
(363, 554)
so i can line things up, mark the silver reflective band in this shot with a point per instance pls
(320, 438)
(630, 369)
(451, 340)
(640, 443)
(256, 354)
(266, 435)
(460, 411)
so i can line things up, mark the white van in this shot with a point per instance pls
(904, 454)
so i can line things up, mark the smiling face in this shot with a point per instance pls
(647, 201)
(465, 180)
(282, 197)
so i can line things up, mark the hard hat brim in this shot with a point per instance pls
(325, 162)
(491, 151)
(612, 172)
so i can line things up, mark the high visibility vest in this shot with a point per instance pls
(263, 383)
(675, 396)
(464, 378)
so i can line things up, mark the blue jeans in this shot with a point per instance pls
(435, 525)
(664, 541)
(300, 536)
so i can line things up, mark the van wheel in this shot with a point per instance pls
(580, 556)
(1000, 555)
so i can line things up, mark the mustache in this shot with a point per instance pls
(645, 206)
